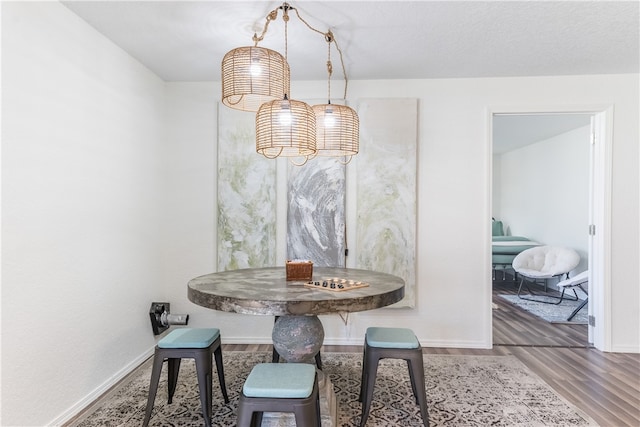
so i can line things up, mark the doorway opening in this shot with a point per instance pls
(545, 189)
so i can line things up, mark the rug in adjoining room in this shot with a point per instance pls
(553, 313)
(461, 391)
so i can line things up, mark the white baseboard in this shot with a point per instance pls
(85, 402)
(360, 341)
(263, 340)
(626, 349)
(456, 344)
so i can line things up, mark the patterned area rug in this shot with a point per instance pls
(550, 312)
(461, 391)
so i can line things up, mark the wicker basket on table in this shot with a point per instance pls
(299, 270)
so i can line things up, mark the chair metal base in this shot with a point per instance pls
(573, 314)
(559, 299)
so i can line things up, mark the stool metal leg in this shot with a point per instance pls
(245, 416)
(251, 410)
(304, 417)
(173, 366)
(370, 382)
(203, 369)
(414, 387)
(153, 387)
(363, 378)
(256, 420)
(418, 383)
(220, 369)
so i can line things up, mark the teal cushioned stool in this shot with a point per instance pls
(198, 344)
(280, 387)
(392, 343)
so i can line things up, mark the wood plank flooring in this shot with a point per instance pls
(604, 385)
(513, 326)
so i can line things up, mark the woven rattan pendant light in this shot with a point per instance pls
(258, 79)
(337, 126)
(286, 128)
(252, 76)
(337, 131)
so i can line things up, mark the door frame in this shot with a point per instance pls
(599, 210)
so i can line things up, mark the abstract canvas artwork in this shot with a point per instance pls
(385, 197)
(246, 195)
(386, 190)
(316, 212)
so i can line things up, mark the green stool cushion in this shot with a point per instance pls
(189, 338)
(280, 380)
(391, 338)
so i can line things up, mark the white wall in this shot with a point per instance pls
(108, 204)
(454, 172)
(497, 195)
(82, 211)
(544, 191)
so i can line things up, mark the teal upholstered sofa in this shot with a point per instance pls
(505, 248)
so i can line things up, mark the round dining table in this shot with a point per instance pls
(298, 333)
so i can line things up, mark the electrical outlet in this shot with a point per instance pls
(155, 314)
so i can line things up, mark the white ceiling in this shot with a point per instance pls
(186, 40)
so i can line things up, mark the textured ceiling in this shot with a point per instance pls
(186, 40)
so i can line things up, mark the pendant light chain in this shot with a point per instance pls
(270, 17)
(285, 18)
(329, 38)
(344, 72)
(328, 35)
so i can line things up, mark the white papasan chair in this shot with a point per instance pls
(542, 263)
